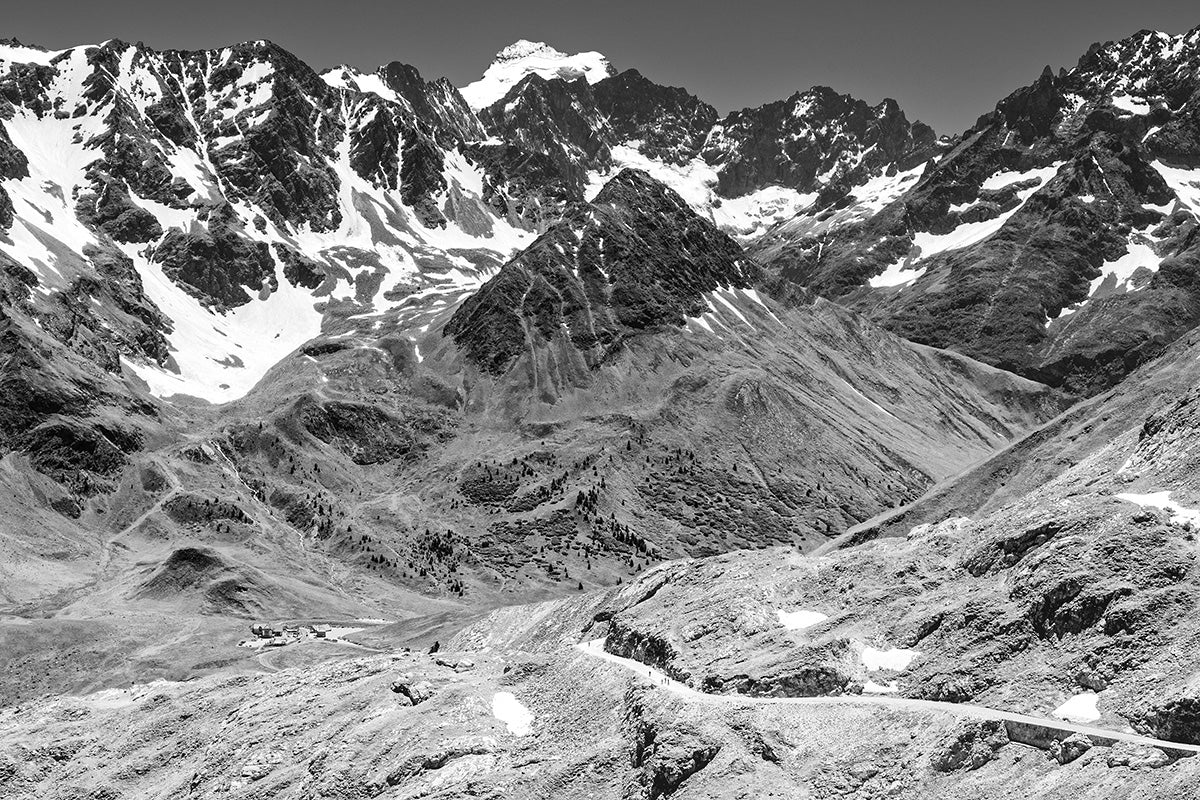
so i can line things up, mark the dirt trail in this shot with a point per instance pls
(595, 649)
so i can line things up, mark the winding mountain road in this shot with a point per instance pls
(595, 649)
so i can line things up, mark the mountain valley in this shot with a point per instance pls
(566, 437)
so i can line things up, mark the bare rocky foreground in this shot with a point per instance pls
(550, 721)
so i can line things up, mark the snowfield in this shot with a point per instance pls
(220, 357)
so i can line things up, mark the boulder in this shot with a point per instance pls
(975, 744)
(1134, 756)
(416, 693)
(1070, 748)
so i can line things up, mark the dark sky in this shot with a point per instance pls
(945, 62)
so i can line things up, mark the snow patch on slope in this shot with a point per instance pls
(896, 658)
(1180, 515)
(513, 713)
(927, 244)
(19, 54)
(1079, 708)
(799, 620)
(1184, 182)
(1131, 105)
(864, 201)
(220, 357)
(353, 80)
(743, 217)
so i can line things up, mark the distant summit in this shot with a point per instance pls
(524, 57)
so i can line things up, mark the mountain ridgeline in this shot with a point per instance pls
(263, 310)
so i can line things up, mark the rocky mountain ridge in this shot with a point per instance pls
(1054, 238)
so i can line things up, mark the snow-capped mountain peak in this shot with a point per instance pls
(524, 57)
(523, 48)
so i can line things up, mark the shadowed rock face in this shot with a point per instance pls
(636, 259)
(218, 263)
(558, 119)
(790, 142)
(669, 123)
(13, 164)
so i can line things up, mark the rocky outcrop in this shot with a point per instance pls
(81, 457)
(1176, 719)
(791, 142)
(664, 757)
(558, 119)
(364, 433)
(1070, 748)
(217, 263)
(668, 123)
(13, 164)
(416, 692)
(974, 745)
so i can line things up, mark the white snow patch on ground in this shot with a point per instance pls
(1115, 275)
(513, 713)
(881, 190)
(346, 78)
(522, 58)
(754, 298)
(1130, 104)
(871, 687)
(1180, 515)
(970, 233)
(799, 620)
(1080, 708)
(896, 658)
(220, 357)
(1007, 178)
(340, 633)
(896, 274)
(1184, 182)
(751, 214)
